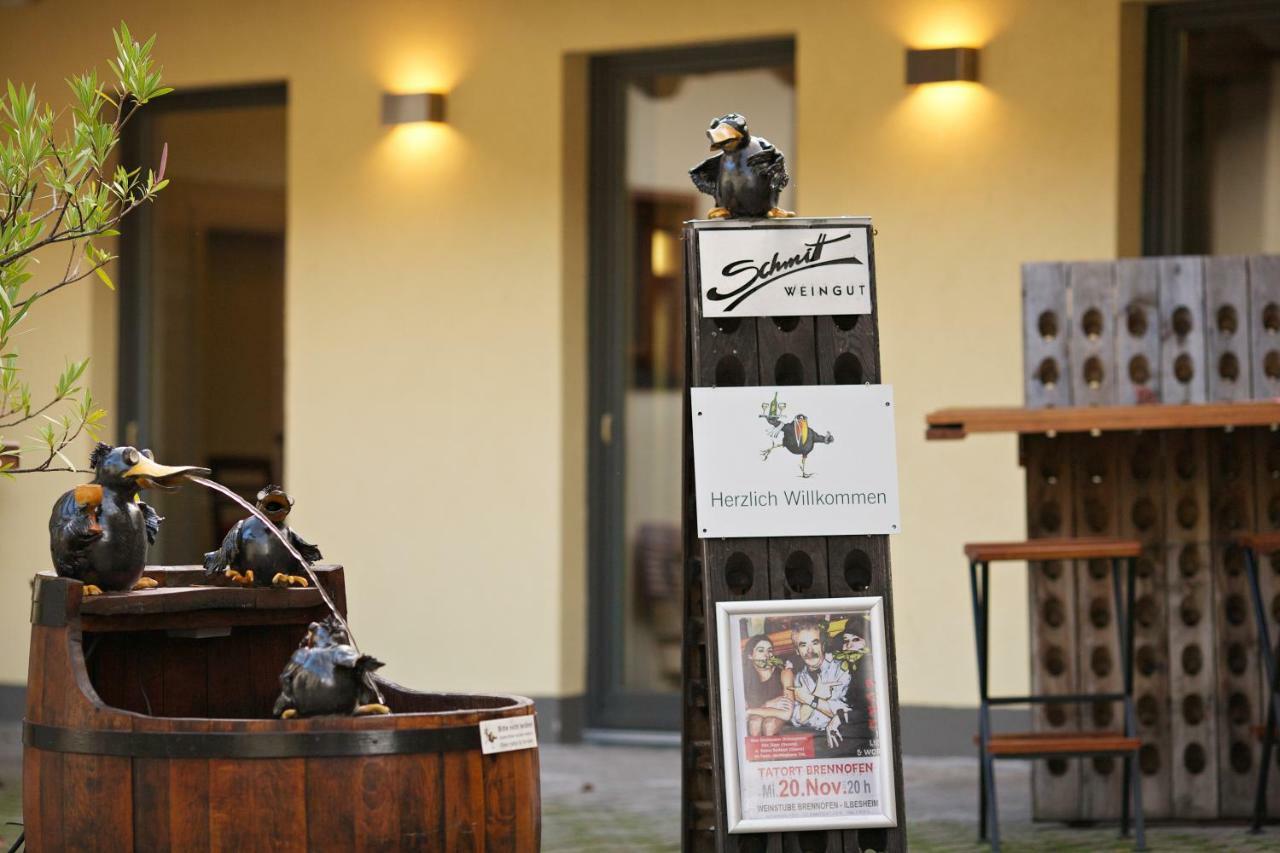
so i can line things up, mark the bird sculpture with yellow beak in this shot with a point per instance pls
(99, 532)
(745, 175)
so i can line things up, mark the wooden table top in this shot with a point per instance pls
(959, 422)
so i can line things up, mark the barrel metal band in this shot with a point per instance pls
(249, 744)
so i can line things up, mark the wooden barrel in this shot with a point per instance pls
(148, 728)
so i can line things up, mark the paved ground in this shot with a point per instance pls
(614, 798)
(598, 798)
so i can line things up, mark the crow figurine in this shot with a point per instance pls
(99, 532)
(745, 174)
(252, 554)
(326, 675)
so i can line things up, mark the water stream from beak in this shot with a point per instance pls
(284, 540)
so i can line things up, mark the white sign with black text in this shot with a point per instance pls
(797, 460)
(787, 267)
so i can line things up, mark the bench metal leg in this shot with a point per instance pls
(988, 829)
(1273, 688)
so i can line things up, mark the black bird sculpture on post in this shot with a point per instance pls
(252, 554)
(99, 532)
(327, 675)
(745, 175)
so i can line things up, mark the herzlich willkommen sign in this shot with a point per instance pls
(787, 267)
(796, 460)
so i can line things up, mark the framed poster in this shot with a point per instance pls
(804, 714)
(795, 460)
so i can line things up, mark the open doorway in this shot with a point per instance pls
(649, 114)
(202, 306)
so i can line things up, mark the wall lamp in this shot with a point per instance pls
(942, 65)
(412, 107)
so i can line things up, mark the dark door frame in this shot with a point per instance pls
(1164, 180)
(137, 148)
(609, 264)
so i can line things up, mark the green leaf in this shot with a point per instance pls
(106, 279)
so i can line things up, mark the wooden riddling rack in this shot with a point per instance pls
(770, 351)
(1175, 330)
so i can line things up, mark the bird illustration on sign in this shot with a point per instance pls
(794, 436)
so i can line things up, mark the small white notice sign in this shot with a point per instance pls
(508, 734)
(798, 460)
(785, 267)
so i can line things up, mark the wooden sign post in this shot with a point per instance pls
(736, 349)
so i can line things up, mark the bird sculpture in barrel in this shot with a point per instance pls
(745, 175)
(328, 675)
(99, 531)
(251, 554)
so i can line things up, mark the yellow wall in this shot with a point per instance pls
(435, 340)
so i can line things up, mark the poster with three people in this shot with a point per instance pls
(805, 721)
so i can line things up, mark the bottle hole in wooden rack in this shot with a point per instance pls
(1193, 709)
(1099, 613)
(729, 372)
(1189, 612)
(727, 325)
(1271, 317)
(1235, 609)
(1192, 659)
(1146, 661)
(739, 573)
(1102, 714)
(1091, 323)
(1237, 658)
(1144, 514)
(1241, 757)
(1057, 766)
(1099, 569)
(1193, 758)
(1136, 320)
(1146, 611)
(1148, 710)
(1047, 325)
(1053, 612)
(1050, 517)
(786, 324)
(847, 369)
(788, 370)
(1238, 709)
(1145, 567)
(1189, 561)
(1047, 373)
(1184, 369)
(1054, 660)
(1139, 370)
(1188, 513)
(1103, 765)
(1093, 372)
(1055, 715)
(1097, 515)
(1233, 560)
(1228, 319)
(799, 572)
(813, 841)
(857, 570)
(846, 322)
(1149, 759)
(871, 839)
(1229, 367)
(1271, 364)
(1182, 321)
(1052, 569)
(1100, 661)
